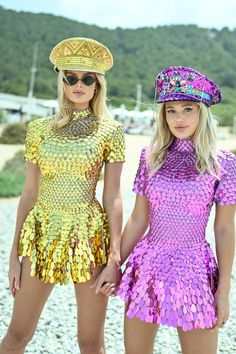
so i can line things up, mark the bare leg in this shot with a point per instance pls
(139, 336)
(91, 317)
(198, 341)
(28, 305)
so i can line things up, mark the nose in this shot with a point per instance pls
(79, 83)
(179, 117)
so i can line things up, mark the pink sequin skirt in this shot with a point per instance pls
(168, 285)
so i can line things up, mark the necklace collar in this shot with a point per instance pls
(84, 113)
(183, 145)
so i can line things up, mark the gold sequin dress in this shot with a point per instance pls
(66, 234)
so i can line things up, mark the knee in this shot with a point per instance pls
(90, 346)
(16, 339)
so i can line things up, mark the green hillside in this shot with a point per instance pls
(138, 56)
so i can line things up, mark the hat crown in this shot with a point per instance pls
(179, 83)
(81, 53)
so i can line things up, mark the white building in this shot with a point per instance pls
(20, 108)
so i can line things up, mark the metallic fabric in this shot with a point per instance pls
(66, 234)
(179, 83)
(171, 275)
(83, 54)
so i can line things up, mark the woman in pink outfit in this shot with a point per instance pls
(171, 276)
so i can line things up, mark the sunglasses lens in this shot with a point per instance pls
(71, 80)
(88, 80)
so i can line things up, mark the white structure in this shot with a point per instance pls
(17, 107)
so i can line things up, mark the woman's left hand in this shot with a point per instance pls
(108, 279)
(222, 308)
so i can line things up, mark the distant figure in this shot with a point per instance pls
(21, 115)
(62, 232)
(171, 276)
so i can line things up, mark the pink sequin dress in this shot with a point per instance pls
(171, 275)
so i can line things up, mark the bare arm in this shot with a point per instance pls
(225, 245)
(27, 200)
(134, 230)
(135, 227)
(112, 204)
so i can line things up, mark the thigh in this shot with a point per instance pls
(91, 310)
(139, 336)
(198, 341)
(29, 301)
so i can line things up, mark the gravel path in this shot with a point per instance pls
(56, 332)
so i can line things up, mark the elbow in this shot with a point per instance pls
(29, 197)
(140, 222)
(224, 229)
(111, 198)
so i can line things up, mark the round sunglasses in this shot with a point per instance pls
(71, 80)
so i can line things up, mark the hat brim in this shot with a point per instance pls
(57, 69)
(181, 97)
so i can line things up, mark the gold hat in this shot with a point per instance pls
(82, 54)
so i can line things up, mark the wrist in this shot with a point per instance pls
(114, 262)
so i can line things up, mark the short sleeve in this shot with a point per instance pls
(141, 178)
(225, 193)
(115, 149)
(33, 140)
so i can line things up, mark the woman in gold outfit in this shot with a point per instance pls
(62, 231)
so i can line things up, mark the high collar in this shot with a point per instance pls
(81, 114)
(183, 145)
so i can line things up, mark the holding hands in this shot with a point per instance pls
(108, 279)
(222, 307)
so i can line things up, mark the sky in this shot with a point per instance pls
(134, 14)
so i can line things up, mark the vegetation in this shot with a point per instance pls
(138, 56)
(14, 134)
(3, 116)
(12, 176)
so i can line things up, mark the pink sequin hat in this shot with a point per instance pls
(179, 83)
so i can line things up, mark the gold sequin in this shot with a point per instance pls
(66, 234)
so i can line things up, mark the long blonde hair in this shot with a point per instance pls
(97, 103)
(204, 140)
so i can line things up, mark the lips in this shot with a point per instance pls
(181, 127)
(78, 93)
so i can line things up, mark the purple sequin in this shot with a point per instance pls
(179, 83)
(171, 275)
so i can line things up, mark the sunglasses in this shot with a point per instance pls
(71, 80)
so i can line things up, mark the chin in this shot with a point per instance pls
(183, 135)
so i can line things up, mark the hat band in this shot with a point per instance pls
(186, 90)
(80, 63)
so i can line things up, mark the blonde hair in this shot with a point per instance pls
(204, 140)
(97, 103)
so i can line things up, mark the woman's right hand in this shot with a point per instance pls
(14, 275)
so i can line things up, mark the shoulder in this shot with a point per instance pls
(227, 161)
(39, 125)
(226, 158)
(111, 124)
(112, 131)
(145, 153)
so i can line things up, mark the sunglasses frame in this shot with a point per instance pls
(83, 80)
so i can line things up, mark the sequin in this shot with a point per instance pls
(66, 234)
(173, 263)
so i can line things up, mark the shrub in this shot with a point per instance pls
(12, 176)
(14, 134)
(3, 116)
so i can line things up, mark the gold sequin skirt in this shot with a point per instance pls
(64, 246)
